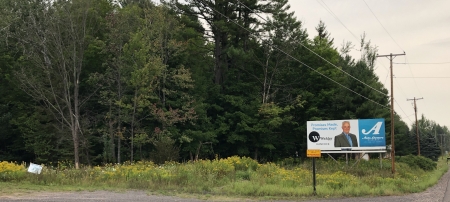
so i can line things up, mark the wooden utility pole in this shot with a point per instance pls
(417, 126)
(391, 57)
(442, 146)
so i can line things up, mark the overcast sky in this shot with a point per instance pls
(419, 28)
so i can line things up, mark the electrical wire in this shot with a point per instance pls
(417, 87)
(398, 86)
(335, 16)
(308, 65)
(328, 61)
(423, 63)
(387, 74)
(382, 25)
(292, 57)
(395, 43)
(340, 69)
(429, 77)
(401, 109)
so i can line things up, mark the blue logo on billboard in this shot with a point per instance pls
(372, 132)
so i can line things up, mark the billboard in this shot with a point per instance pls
(346, 135)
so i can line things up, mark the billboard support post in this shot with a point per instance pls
(314, 153)
(381, 162)
(314, 175)
(331, 157)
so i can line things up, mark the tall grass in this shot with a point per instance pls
(238, 176)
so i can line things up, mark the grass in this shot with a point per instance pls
(234, 177)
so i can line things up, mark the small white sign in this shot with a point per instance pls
(35, 168)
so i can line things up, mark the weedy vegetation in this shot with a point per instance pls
(235, 177)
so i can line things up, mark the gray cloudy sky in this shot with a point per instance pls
(418, 27)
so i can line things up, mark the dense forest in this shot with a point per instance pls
(103, 81)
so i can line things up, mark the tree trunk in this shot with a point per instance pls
(112, 146)
(76, 147)
(132, 124)
(221, 59)
(53, 38)
(118, 146)
(119, 123)
(76, 103)
(140, 151)
(86, 150)
(198, 150)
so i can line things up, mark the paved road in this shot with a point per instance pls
(438, 193)
(96, 196)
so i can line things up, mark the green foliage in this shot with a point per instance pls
(221, 177)
(187, 72)
(11, 171)
(289, 162)
(417, 162)
(165, 150)
(243, 175)
(14, 105)
(243, 163)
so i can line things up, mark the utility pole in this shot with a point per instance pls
(391, 57)
(442, 148)
(444, 145)
(417, 126)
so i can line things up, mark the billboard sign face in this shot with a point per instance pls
(345, 135)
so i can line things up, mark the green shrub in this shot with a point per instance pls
(165, 150)
(288, 162)
(417, 162)
(242, 163)
(11, 171)
(243, 175)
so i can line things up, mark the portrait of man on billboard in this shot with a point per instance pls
(345, 139)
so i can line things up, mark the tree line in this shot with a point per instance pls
(102, 81)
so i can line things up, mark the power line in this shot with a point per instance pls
(399, 86)
(335, 16)
(402, 110)
(382, 25)
(387, 75)
(325, 6)
(292, 57)
(340, 69)
(401, 90)
(429, 77)
(384, 83)
(391, 55)
(417, 87)
(423, 63)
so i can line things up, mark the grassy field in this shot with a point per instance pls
(235, 177)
